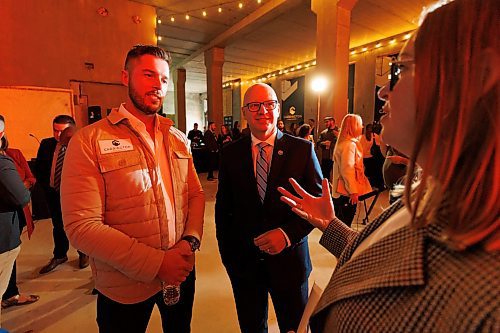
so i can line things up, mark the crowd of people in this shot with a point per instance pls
(124, 192)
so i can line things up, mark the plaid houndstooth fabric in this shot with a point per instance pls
(408, 282)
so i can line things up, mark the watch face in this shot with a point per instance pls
(193, 241)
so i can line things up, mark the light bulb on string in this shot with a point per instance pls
(240, 5)
(220, 10)
(187, 17)
(159, 21)
(172, 19)
(204, 13)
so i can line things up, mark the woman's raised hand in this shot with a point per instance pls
(318, 211)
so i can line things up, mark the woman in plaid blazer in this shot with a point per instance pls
(434, 264)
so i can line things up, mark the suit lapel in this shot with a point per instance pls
(395, 261)
(245, 160)
(278, 160)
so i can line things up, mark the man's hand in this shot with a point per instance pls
(271, 242)
(185, 247)
(177, 264)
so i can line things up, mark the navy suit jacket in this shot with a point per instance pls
(240, 216)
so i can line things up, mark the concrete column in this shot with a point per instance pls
(364, 80)
(332, 53)
(180, 98)
(214, 59)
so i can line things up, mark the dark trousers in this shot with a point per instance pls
(251, 297)
(61, 243)
(344, 210)
(212, 163)
(116, 317)
(326, 168)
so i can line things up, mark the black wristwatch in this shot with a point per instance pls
(193, 242)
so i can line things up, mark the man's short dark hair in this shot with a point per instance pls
(210, 123)
(64, 119)
(195, 124)
(140, 50)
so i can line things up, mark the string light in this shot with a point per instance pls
(240, 5)
(187, 17)
(204, 13)
(219, 10)
(172, 19)
(159, 21)
(407, 36)
(368, 47)
(159, 38)
(259, 1)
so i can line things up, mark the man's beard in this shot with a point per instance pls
(138, 102)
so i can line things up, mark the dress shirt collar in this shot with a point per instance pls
(134, 121)
(270, 140)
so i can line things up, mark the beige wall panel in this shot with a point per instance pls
(31, 110)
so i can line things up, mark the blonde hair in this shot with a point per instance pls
(457, 124)
(351, 127)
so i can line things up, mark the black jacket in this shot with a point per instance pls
(44, 161)
(13, 195)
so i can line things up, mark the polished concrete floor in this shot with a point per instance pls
(67, 305)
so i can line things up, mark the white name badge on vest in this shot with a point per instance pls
(115, 146)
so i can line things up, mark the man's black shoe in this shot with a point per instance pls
(53, 263)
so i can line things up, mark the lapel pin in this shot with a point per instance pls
(280, 152)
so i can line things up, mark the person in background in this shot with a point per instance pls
(236, 133)
(46, 160)
(195, 135)
(292, 129)
(224, 136)
(14, 196)
(12, 296)
(304, 132)
(348, 179)
(281, 126)
(132, 200)
(262, 244)
(210, 139)
(326, 144)
(312, 123)
(430, 262)
(374, 151)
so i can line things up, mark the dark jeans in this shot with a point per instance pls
(344, 210)
(326, 168)
(116, 317)
(61, 243)
(251, 297)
